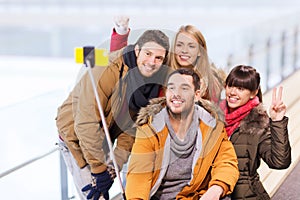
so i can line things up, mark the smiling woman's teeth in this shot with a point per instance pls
(184, 57)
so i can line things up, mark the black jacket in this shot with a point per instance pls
(258, 137)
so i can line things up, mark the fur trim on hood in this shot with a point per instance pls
(157, 104)
(257, 119)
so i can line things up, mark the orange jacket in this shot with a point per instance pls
(216, 163)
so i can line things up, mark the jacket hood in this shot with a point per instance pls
(157, 104)
(257, 119)
(129, 56)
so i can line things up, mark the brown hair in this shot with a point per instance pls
(156, 36)
(189, 72)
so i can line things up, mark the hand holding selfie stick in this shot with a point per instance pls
(110, 145)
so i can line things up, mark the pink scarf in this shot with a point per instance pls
(234, 118)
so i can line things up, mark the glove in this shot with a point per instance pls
(121, 24)
(111, 170)
(101, 183)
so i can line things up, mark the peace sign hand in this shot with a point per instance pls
(278, 108)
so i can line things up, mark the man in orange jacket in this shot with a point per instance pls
(181, 151)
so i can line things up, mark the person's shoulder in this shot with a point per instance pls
(147, 113)
(257, 119)
(116, 56)
(258, 113)
(116, 61)
(154, 124)
(205, 116)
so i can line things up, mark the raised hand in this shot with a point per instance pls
(277, 109)
(121, 24)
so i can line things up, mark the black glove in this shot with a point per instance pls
(112, 171)
(101, 183)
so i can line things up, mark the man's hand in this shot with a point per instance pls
(213, 193)
(100, 185)
(111, 170)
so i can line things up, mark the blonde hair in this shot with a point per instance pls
(212, 81)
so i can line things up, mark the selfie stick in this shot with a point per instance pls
(89, 67)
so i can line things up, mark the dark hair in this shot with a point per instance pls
(245, 77)
(156, 36)
(189, 72)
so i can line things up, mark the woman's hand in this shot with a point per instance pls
(277, 109)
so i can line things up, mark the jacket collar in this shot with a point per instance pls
(159, 120)
(256, 120)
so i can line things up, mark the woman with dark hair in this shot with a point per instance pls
(253, 133)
